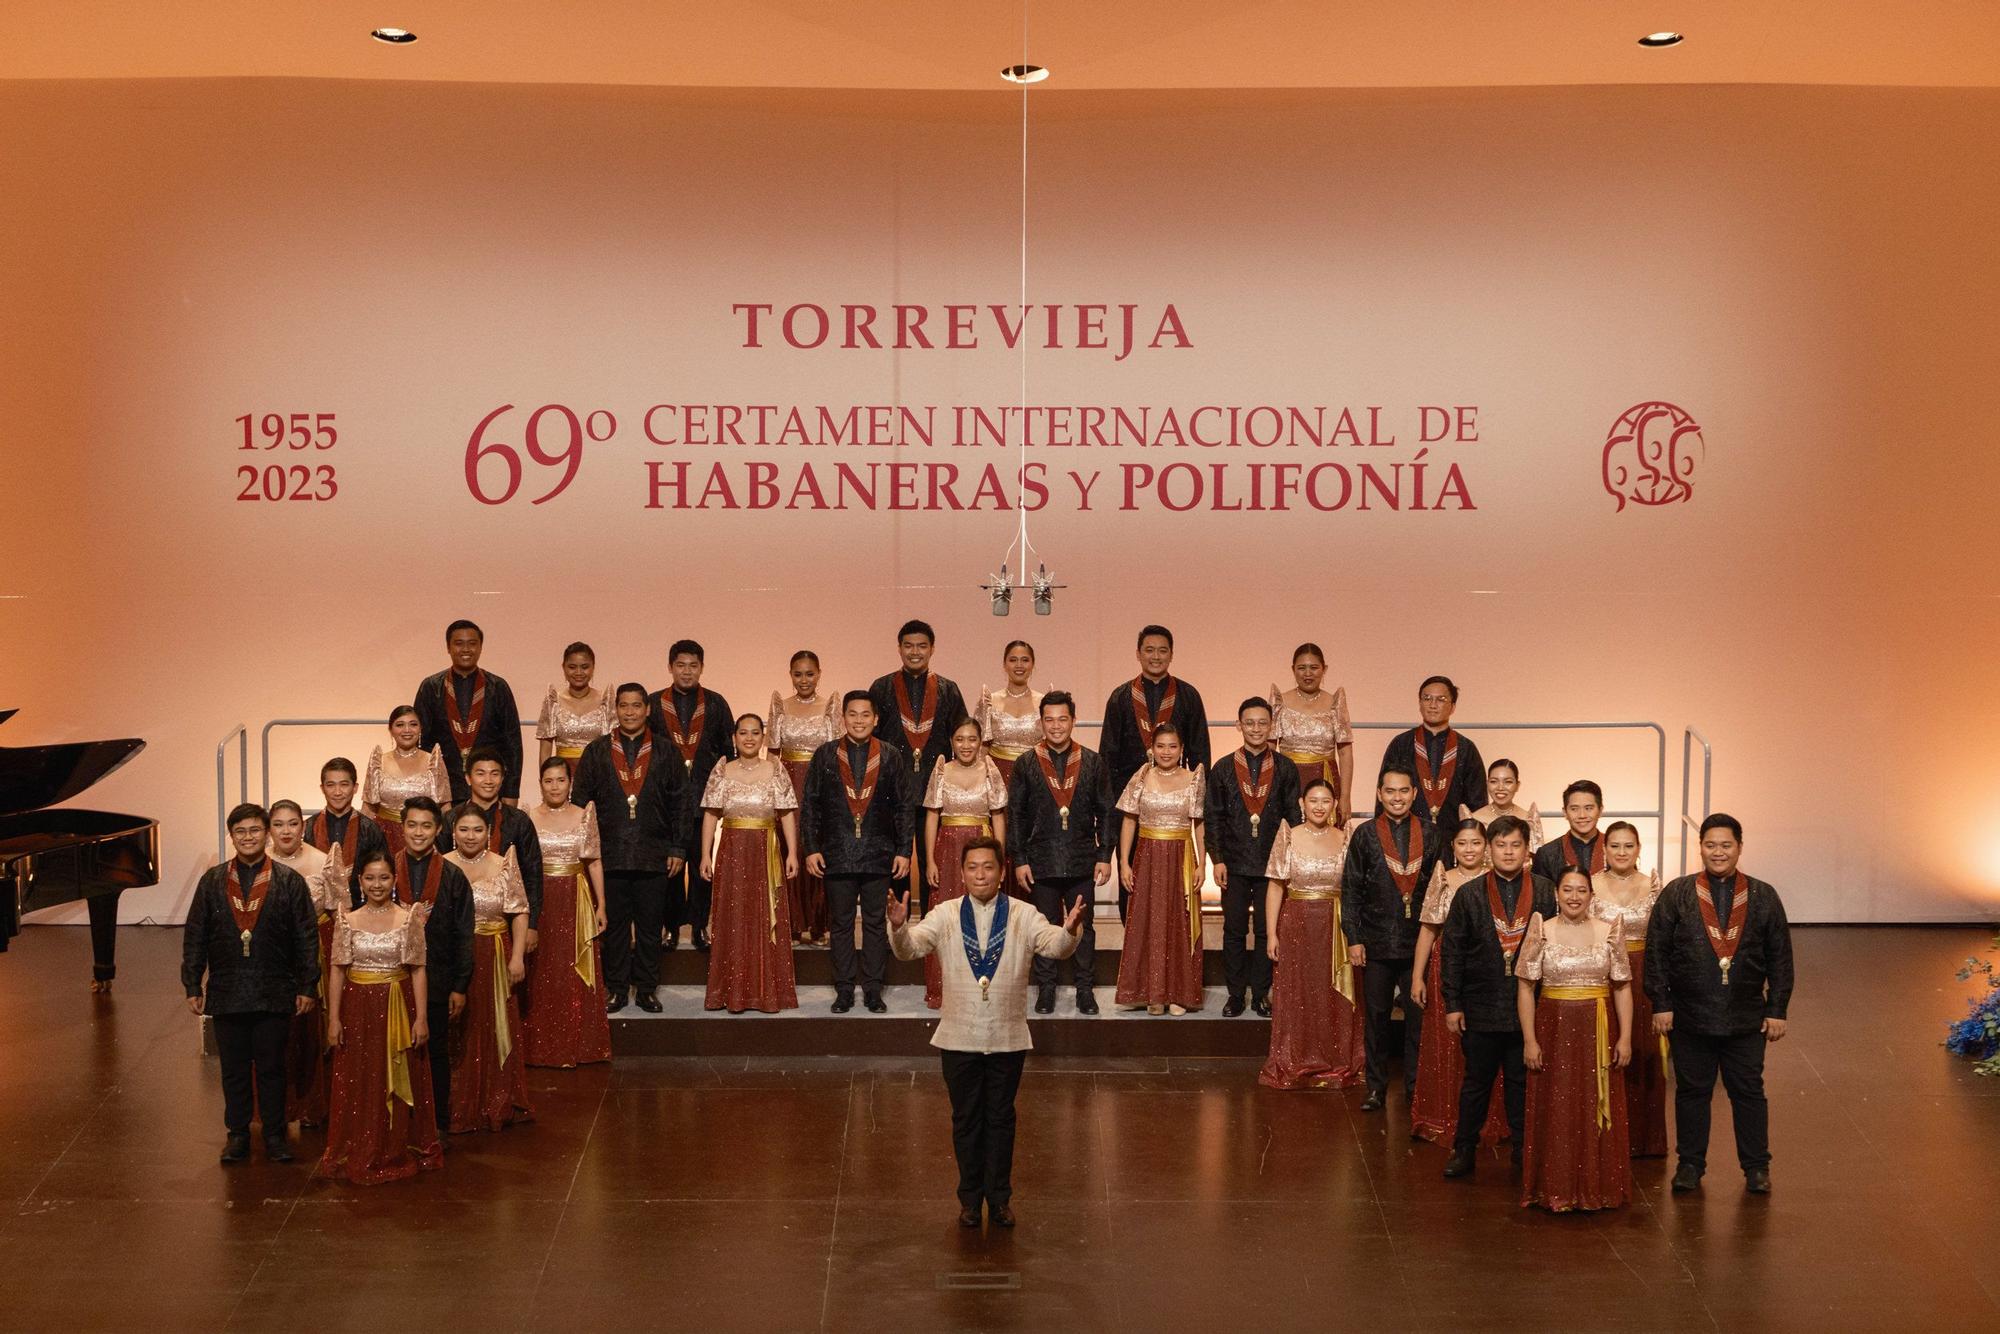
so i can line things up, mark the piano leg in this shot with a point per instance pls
(103, 939)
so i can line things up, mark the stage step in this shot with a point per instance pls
(812, 966)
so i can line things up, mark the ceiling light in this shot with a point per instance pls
(394, 36)
(1662, 39)
(1024, 74)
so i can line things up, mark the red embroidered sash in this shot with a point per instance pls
(465, 731)
(1510, 929)
(917, 727)
(1434, 789)
(632, 778)
(1598, 844)
(246, 908)
(1254, 795)
(433, 877)
(858, 797)
(1149, 721)
(1724, 942)
(1061, 792)
(687, 744)
(1403, 873)
(317, 836)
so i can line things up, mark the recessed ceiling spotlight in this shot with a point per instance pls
(1662, 39)
(1024, 74)
(394, 36)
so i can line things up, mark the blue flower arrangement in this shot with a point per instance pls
(1977, 1036)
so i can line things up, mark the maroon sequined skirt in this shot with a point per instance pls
(1571, 1161)
(951, 841)
(749, 962)
(308, 1063)
(1646, 1078)
(805, 893)
(371, 1136)
(1315, 1031)
(1158, 965)
(1441, 1071)
(488, 1092)
(392, 830)
(562, 1016)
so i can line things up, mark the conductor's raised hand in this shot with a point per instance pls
(898, 910)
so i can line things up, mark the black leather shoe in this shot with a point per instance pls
(969, 1216)
(1002, 1215)
(1262, 1006)
(1045, 1001)
(614, 1002)
(1232, 1007)
(701, 941)
(1687, 1177)
(1461, 1163)
(276, 1150)
(672, 942)
(1373, 1102)
(1757, 1181)
(1086, 1001)
(874, 1005)
(842, 1004)
(649, 1002)
(236, 1149)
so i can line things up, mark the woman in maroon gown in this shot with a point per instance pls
(1316, 1040)
(1440, 1061)
(382, 1125)
(750, 800)
(1010, 723)
(1578, 1147)
(1623, 891)
(1161, 861)
(489, 1078)
(308, 1060)
(801, 723)
(562, 1019)
(965, 799)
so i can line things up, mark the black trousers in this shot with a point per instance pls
(252, 1048)
(919, 883)
(982, 1087)
(867, 894)
(1739, 1058)
(1487, 1055)
(1381, 981)
(687, 900)
(438, 1016)
(1243, 916)
(1053, 897)
(635, 905)
(103, 935)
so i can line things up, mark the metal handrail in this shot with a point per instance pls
(264, 738)
(1689, 735)
(240, 734)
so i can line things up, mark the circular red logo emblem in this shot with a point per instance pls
(1650, 455)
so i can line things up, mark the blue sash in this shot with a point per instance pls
(984, 963)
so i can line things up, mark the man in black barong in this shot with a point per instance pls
(1446, 764)
(856, 823)
(464, 707)
(512, 829)
(697, 731)
(1251, 791)
(437, 892)
(1061, 836)
(917, 710)
(1389, 864)
(1138, 706)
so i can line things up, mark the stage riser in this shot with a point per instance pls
(685, 967)
(863, 1034)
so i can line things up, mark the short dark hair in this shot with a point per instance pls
(286, 804)
(554, 762)
(633, 687)
(456, 626)
(984, 842)
(339, 764)
(805, 655)
(1308, 648)
(248, 810)
(481, 754)
(579, 647)
(1147, 632)
(1388, 769)
(1508, 765)
(1254, 702)
(1470, 826)
(1721, 821)
(1058, 699)
(1444, 681)
(426, 805)
(916, 628)
(472, 809)
(400, 710)
(1507, 825)
(853, 697)
(681, 646)
(1583, 785)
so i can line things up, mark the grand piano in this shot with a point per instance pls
(50, 857)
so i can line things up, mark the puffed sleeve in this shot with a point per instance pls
(784, 797)
(1529, 965)
(545, 726)
(1534, 827)
(996, 786)
(712, 798)
(513, 894)
(934, 789)
(371, 786)
(1280, 865)
(1128, 800)
(593, 849)
(1343, 730)
(333, 894)
(1277, 702)
(1436, 900)
(1197, 794)
(983, 715)
(414, 942)
(440, 780)
(772, 739)
(1618, 962)
(343, 941)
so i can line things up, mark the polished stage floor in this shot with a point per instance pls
(1155, 1194)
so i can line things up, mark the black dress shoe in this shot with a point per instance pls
(1262, 1005)
(649, 1002)
(701, 941)
(1757, 1181)
(236, 1149)
(1002, 1215)
(1373, 1102)
(1460, 1163)
(672, 942)
(1086, 1001)
(614, 1002)
(969, 1216)
(1045, 1001)
(842, 1004)
(1687, 1177)
(276, 1150)
(1232, 1007)
(874, 1005)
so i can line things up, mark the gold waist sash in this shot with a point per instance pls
(502, 985)
(1598, 994)
(398, 1030)
(1343, 971)
(569, 752)
(1307, 761)
(490, 928)
(562, 868)
(586, 918)
(394, 814)
(373, 977)
(966, 822)
(796, 756)
(1312, 895)
(1190, 877)
(1636, 946)
(774, 866)
(1007, 753)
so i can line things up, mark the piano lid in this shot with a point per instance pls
(32, 777)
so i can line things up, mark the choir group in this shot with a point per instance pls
(422, 911)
